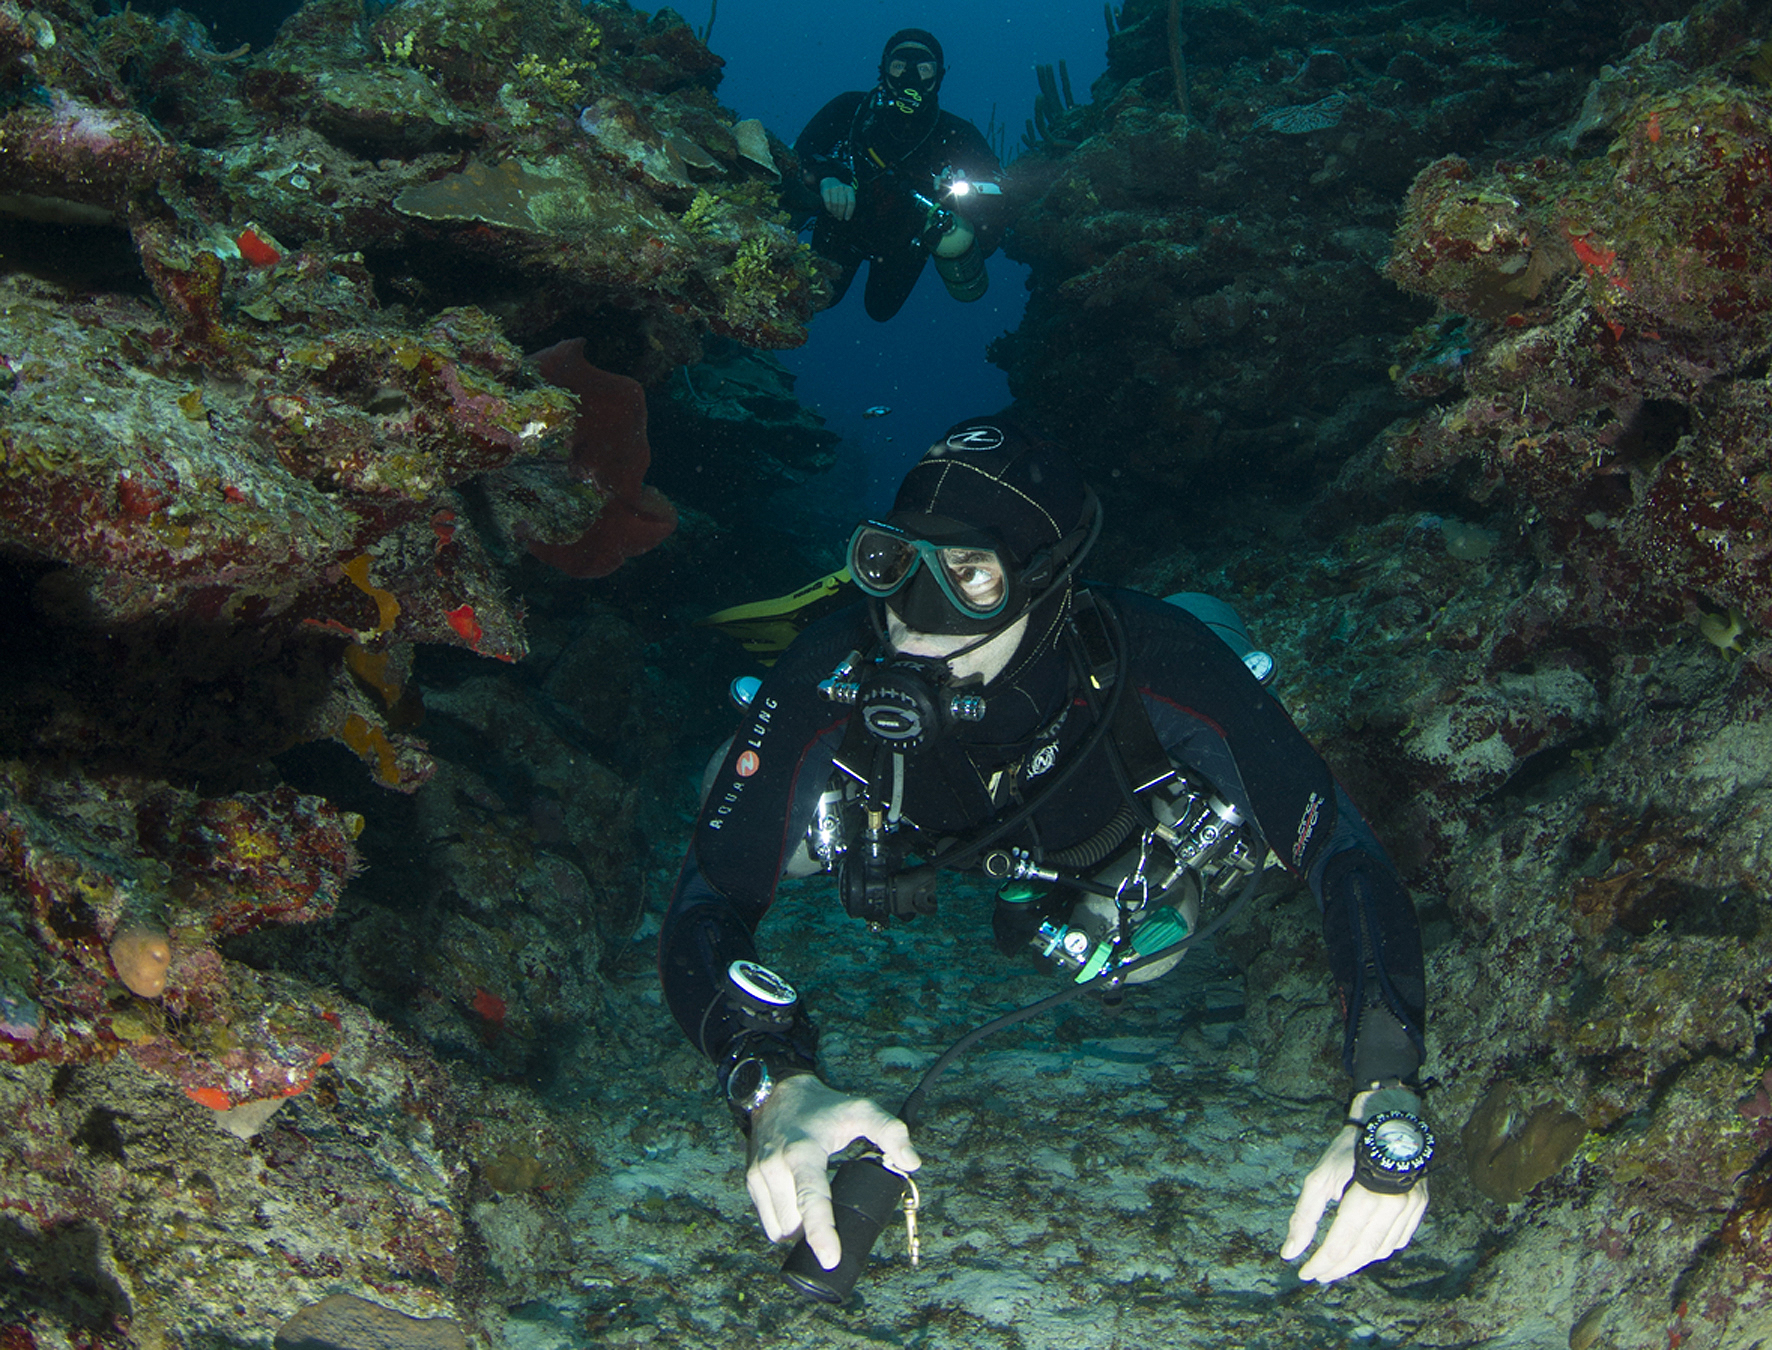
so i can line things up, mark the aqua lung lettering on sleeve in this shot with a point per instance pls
(746, 765)
(1307, 828)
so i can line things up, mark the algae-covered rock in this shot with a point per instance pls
(346, 1322)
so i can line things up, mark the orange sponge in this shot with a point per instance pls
(141, 955)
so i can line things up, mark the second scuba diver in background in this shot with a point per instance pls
(900, 181)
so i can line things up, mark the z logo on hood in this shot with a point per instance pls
(1042, 760)
(975, 438)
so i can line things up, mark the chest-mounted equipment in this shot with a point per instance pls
(903, 701)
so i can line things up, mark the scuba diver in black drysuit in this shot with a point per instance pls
(983, 710)
(900, 181)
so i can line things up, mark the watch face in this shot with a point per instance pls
(747, 1087)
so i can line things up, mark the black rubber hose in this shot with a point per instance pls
(1098, 846)
(913, 1104)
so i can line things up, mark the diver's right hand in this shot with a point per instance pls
(793, 1136)
(839, 197)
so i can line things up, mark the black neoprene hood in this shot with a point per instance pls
(919, 37)
(993, 476)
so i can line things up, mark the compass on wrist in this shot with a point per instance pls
(759, 995)
(1392, 1152)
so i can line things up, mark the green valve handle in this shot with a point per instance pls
(1163, 929)
(1166, 927)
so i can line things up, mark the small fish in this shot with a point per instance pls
(878, 410)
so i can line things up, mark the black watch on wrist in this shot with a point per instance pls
(1392, 1152)
(753, 1080)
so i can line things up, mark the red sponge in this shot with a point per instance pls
(609, 448)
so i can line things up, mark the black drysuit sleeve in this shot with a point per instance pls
(756, 813)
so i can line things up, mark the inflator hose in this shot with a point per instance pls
(913, 1104)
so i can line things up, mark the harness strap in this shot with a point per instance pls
(1124, 723)
(1135, 739)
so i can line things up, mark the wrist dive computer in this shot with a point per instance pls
(767, 1004)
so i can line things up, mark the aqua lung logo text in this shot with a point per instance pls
(1307, 826)
(746, 764)
(1042, 760)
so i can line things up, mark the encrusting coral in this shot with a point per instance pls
(247, 434)
(1509, 1149)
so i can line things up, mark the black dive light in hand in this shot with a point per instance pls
(865, 1195)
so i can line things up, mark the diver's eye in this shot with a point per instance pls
(896, 70)
(926, 71)
(977, 575)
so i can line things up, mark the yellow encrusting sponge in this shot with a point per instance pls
(141, 955)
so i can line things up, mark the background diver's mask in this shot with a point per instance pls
(909, 77)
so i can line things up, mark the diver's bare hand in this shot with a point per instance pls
(1368, 1226)
(793, 1136)
(839, 198)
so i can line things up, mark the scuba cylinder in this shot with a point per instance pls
(959, 261)
(964, 276)
(1227, 626)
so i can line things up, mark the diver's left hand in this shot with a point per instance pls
(1368, 1226)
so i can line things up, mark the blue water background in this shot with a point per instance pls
(784, 60)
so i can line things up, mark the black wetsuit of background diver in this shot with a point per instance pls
(913, 153)
(1211, 716)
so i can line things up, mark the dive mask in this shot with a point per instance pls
(910, 74)
(971, 576)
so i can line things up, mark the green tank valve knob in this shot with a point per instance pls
(1164, 928)
(1096, 963)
